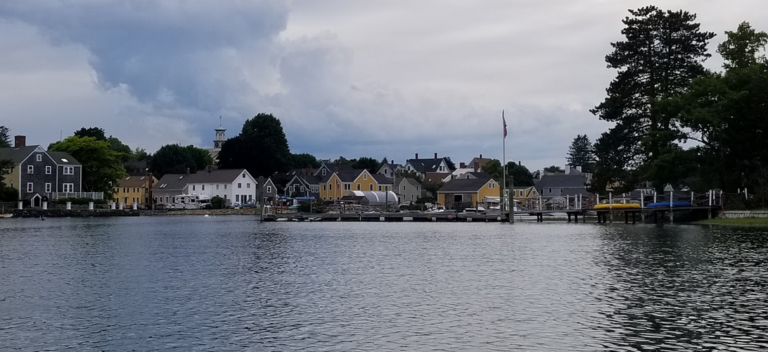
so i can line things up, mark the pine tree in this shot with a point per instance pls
(581, 153)
(662, 52)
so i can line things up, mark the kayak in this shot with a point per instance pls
(666, 204)
(618, 206)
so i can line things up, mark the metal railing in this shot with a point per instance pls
(90, 195)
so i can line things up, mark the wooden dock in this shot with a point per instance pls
(390, 217)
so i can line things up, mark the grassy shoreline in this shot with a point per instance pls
(740, 221)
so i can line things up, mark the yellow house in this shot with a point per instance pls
(338, 184)
(134, 189)
(524, 193)
(467, 191)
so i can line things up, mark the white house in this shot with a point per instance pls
(234, 185)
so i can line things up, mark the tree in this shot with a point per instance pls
(725, 113)
(662, 53)
(175, 159)
(140, 154)
(122, 149)
(344, 161)
(581, 153)
(5, 138)
(554, 169)
(741, 48)
(370, 164)
(95, 132)
(302, 160)
(261, 147)
(383, 162)
(101, 166)
(520, 174)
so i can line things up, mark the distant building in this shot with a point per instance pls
(218, 142)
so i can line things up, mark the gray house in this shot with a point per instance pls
(391, 169)
(408, 190)
(561, 185)
(168, 187)
(266, 191)
(42, 176)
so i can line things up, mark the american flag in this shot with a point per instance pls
(505, 123)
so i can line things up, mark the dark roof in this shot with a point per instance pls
(345, 177)
(312, 180)
(215, 176)
(63, 158)
(463, 185)
(561, 181)
(382, 179)
(17, 154)
(172, 182)
(427, 165)
(133, 181)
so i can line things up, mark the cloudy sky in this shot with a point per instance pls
(380, 78)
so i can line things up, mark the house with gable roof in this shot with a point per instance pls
(134, 190)
(40, 175)
(391, 169)
(433, 166)
(467, 191)
(303, 183)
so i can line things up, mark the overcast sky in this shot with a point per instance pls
(379, 78)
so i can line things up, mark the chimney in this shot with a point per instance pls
(519, 163)
(393, 162)
(417, 156)
(435, 155)
(20, 141)
(462, 165)
(481, 156)
(476, 166)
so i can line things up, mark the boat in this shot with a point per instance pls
(618, 206)
(667, 204)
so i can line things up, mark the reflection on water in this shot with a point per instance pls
(230, 283)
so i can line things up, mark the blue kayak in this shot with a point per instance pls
(666, 204)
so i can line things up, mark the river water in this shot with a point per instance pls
(233, 284)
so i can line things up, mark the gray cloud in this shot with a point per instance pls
(374, 78)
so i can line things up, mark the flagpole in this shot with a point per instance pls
(504, 163)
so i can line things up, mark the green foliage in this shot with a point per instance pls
(140, 154)
(520, 174)
(217, 202)
(370, 164)
(261, 147)
(554, 169)
(95, 132)
(101, 166)
(383, 162)
(8, 194)
(581, 153)
(122, 149)
(662, 52)
(304, 160)
(742, 47)
(344, 161)
(175, 159)
(5, 137)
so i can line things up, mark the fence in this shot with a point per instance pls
(705, 199)
(89, 195)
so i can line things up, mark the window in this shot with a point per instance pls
(330, 187)
(47, 170)
(243, 175)
(39, 157)
(358, 186)
(193, 187)
(30, 187)
(269, 189)
(225, 186)
(370, 187)
(68, 187)
(239, 185)
(324, 188)
(237, 198)
(217, 187)
(379, 188)
(323, 172)
(365, 176)
(47, 188)
(69, 170)
(302, 188)
(248, 185)
(30, 169)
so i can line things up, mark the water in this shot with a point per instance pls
(230, 283)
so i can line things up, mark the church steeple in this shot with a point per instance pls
(220, 139)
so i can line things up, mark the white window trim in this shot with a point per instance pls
(30, 187)
(30, 169)
(269, 189)
(47, 188)
(47, 170)
(39, 157)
